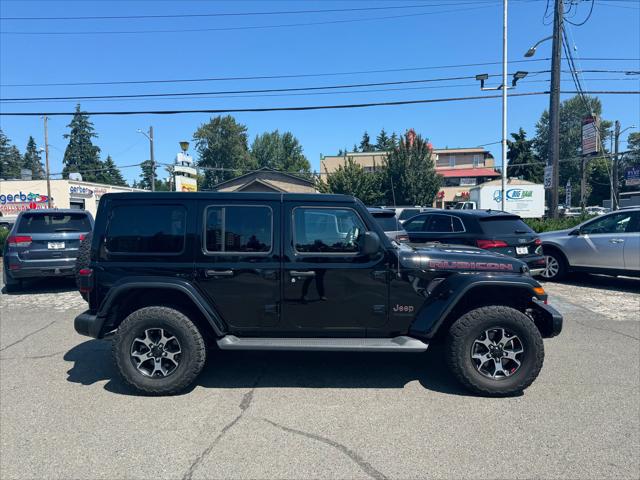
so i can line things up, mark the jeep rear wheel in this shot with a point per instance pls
(158, 350)
(495, 351)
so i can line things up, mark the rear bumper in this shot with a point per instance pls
(88, 324)
(58, 267)
(547, 318)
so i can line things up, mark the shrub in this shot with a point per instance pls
(4, 233)
(540, 225)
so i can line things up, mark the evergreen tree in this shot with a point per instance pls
(365, 143)
(222, 143)
(145, 178)
(81, 155)
(33, 160)
(393, 140)
(384, 142)
(355, 148)
(522, 163)
(410, 177)
(10, 159)
(111, 174)
(351, 179)
(281, 152)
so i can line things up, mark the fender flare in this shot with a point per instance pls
(447, 296)
(159, 283)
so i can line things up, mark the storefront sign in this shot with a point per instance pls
(12, 203)
(80, 191)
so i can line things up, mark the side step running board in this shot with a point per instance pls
(396, 344)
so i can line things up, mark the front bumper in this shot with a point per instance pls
(547, 318)
(89, 324)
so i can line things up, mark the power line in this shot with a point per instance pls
(593, 2)
(298, 75)
(265, 90)
(246, 27)
(309, 107)
(246, 14)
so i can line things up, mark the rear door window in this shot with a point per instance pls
(54, 223)
(146, 229)
(389, 223)
(415, 224)
(239, 229)
(504, 225)
(408, 213)
(326, 230)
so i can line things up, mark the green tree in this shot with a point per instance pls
(280, 152)
(81, 155)
(522, 162)
(111, 174)
(10, 158)
(572, 112)
(222, 144)
(384, 142)
(351, 179)
(33, 160)
(145, 178)
(365, 143)
(410, 177)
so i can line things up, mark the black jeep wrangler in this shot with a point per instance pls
(170, 274)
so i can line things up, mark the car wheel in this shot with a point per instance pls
(83, 260)
(495, 351)
(158, 350)
(555, 266)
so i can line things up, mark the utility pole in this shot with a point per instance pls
(614, 167)
(504, 104)
(46, 156)
(153, 160)
(554, 107)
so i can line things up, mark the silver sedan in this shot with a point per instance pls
(608, 244)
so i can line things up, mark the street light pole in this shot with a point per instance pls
(504, 103)
(46, 156)
(151, 157)
(554, 108)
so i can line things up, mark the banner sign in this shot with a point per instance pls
(590, 142)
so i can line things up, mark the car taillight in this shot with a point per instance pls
(19, 241)
(491, 243)
(85, 280)
(402, 238)
(537, 241)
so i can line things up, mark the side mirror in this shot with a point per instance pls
(575, 232)
(369, 243)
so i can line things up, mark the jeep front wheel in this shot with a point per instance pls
(158, 350)
(495, 351)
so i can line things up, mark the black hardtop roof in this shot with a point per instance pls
(242, 196)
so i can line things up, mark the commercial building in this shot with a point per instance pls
(19, 195)
(461, 168)
(267, 180)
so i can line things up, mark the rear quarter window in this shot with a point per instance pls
(389, 223)
(146, 229)
(54, 223)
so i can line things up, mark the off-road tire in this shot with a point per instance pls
(562, 267)
(191, 342)
(468, 327)
(83, 260)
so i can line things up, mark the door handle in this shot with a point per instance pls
(296, 273)
(616, 240)
(218, 273)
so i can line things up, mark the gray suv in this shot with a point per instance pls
(608, 244)
(43, 243)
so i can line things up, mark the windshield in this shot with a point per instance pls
(504, 225)
(54, 223)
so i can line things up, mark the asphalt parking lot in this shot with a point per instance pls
(65, 414)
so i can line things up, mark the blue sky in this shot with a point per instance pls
(424, 34)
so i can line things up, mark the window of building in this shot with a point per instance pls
(452, 160)
(238, 229)
(326, 230)
(468, 181)
(146, 229)
(477, 159)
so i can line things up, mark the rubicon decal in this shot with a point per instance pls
(447, 265)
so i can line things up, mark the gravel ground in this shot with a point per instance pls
(65, 414)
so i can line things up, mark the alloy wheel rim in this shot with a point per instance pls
(156, 353)
(497, 353)
(552, 267)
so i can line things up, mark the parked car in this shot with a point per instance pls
(43, 243)
(388, 221)
(7, 222)
(597, 210)
(572, 212)
(607, 244)
(493, 230)
(405, 212)
(170, 275)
